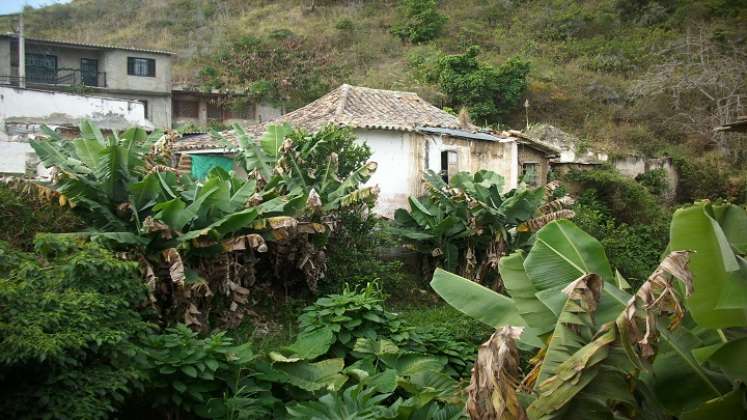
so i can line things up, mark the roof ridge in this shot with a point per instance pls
(385, 91)
(344, 93)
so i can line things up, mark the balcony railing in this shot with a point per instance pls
(63, 77)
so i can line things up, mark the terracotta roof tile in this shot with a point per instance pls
(357, 107)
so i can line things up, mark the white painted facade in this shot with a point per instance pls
(24, 111)
(402, 157)
(397, 174)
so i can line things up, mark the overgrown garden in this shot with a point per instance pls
(129, 289)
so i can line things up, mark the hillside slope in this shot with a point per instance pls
(594, 64)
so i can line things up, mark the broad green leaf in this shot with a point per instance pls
(312, 376)
(734, 293)
(384, 382)
(375, 347)
(476, 301)
(562, 253)
(90, 131)
(174, 213)
(274, 137)
(312, 344)
(713, 265)
(677, 378)
(416, 204)
(729, 357)
(729, 406)
(146, 192)
(88, 151)
(733, 222)
(575, 325)
(410, 363)
(536, 315)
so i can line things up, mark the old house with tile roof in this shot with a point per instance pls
(406, 134)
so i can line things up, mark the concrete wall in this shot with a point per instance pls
(158, 107)
(473, 155)
(632, 166)
(255, 115)
(397, 174)
(266, 112)
(114, 63)
(402, 158)
(67, 57)
(530, 155)
(23, 111)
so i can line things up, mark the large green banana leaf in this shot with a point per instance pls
(714, 266)
(481, 303)
(522, 291)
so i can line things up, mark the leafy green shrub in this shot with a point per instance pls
(345, 25)
(329, 140)
(281, 68)
(420, 21)
(29, 213)
(627, 200)
(468, 224)
(626, 216)
(192, 374)
(634, 249)
(68, 320)
(334, 324)
(655, 180)
(699, 179)
(489, 93)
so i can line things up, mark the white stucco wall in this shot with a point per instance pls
(23, 111)
(397, 173)
(39, 106)
(403, 156)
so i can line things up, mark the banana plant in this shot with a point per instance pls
(280, 165)
(138, 203)
(468, 225)
(602, 351)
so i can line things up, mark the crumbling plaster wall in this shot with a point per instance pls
(23, 111)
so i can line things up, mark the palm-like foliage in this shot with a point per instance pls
(603, 352)
(468, 224)
(137, 202)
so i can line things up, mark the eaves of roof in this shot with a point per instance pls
(86, 44)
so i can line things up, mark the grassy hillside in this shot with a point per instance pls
(594, 65)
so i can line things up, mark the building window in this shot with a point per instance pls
(529, 173)
(448, 164)
(145, 109)
(41, 68)
(186, 109)
(89, 71)
(145, 67)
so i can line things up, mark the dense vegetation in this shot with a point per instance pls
(603, 352)
(157, 303)
(615, 73)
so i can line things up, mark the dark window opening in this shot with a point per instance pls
(41, 68)
(186, 109)
(89, 71)
(145, 109)
(448, 164)
(145, 67)
(214, 111)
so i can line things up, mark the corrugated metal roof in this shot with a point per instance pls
(87, 45)
(459, 133)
